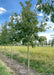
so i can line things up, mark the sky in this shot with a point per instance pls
(7, 6)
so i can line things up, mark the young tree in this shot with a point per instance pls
(27, 27)
(12, 35)
(4, 34)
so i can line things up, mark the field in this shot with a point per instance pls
(41, 58)
(3, 70)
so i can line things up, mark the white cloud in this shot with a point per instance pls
(41, 14)
(2, 10)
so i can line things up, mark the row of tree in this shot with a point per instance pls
(24, 27)
(7, 36)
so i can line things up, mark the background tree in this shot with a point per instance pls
(49, 43)
(0, 37)
(11, 30)
(42, 39)
(4, 34)
(12, 35)
(52, 43)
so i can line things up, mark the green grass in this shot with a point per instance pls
(3, 70)
(41, 58)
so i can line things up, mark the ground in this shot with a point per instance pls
(41, 58)
(18, 68)
(4, 70)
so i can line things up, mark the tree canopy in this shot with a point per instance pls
(47, 7)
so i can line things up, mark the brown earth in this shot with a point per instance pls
(17, 68)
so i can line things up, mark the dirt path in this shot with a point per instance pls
(8, 68)
(17, 68)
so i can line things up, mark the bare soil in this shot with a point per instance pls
(17, 68)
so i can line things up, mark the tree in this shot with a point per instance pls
(52, 43)
(49, 43)
(27, 28)
(0, 37)
(42, 39)
(12, 35)
(4, 34)
(47, 7)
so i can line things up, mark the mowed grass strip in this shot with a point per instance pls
(3, 70)
(41, 58)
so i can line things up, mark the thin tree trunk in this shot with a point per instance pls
(11, 55)
(28, 60)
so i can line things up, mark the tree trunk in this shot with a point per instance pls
(11, 55)
(28, 60)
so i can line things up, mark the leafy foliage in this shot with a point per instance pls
(47, 7)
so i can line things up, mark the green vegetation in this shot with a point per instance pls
(3, 70)
(41, 58)
(24, 30)
(48, 8)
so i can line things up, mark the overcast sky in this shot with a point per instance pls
(7, 6)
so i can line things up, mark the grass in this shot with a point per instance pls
(3, 70)
(41, 58)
